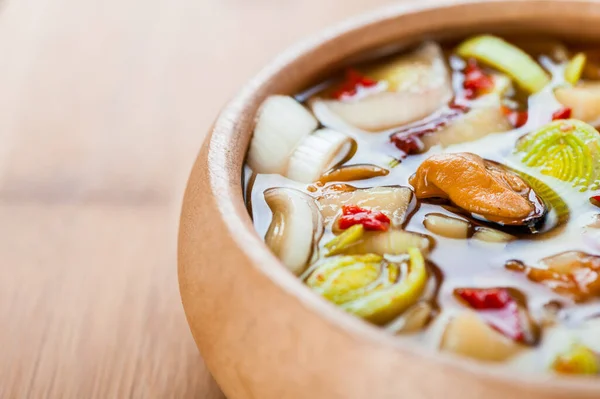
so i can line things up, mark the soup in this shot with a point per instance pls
(447, 194)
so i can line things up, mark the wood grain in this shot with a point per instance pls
(103, 107)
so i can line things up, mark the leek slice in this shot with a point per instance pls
(574, 68)
(369, 287)
(568, 150)
(506, 58)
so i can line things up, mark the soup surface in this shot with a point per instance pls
(448, 195)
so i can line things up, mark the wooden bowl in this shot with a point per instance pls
(265, 335)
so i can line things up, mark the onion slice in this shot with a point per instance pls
(281, 124)
(296, 227)
(318, 153)
(418, 84)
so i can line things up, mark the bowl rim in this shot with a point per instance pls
(225, 178)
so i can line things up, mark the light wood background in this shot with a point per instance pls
(103, 106)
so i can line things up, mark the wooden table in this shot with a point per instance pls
(103, 106)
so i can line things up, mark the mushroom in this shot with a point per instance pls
(295, 229)
(396, 202)
(486, 190)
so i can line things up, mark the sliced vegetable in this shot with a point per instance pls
(418, 84)
(295, 228)
(484, 189)
(413, 319)
(515, 117)
(447, 226)
(583, 99)
(345, 240)
(578, 360)
(393, 201)
(574, 68)
(369, 287)
(353, 172)
(369, 219)
(487, 234)
(317, 153)
(346, 278)
(506, 58)
(474, 125)
(501, 311)
(354, 83)
(281, 124)
(574, 274)
(476, 81)
(563, 113)
(568, 150)
(468, 335)
(391, 242)
(408, 139)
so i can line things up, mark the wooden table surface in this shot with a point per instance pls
(103, 106)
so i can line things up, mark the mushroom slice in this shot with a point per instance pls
(468, 335)
(295, 229)
(418, 84)
(583, 99)
(393, 201)
(353, 172)
(317, 153)
(370, 287)
(575, 274)
(485, 189)
(281, 124)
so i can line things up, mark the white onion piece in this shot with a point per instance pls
(447, 226)
(419, 84)
(468, 335)
(583, 99)
(295, 228)
(492, 235)
(475, 124)
(281, 124)
(318, 153)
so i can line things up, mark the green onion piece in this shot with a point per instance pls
(574, 68)
(506, 58)
(349, 237)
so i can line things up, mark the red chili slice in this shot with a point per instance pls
(563, 113)
(516, 118)
(489, 298)
(353, 81)
(595, 200)
(370, 219)
(476, 80)
(497, 307)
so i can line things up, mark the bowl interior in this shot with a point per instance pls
(382, 31)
